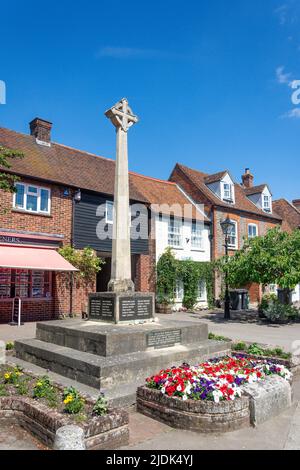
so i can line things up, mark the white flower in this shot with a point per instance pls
(184, 397)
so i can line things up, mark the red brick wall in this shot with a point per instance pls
(59, 222)
(32, 310)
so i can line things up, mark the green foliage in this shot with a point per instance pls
(43, 388)
(73, 402)
(240, 346)
(3, 390)
(9, 346)
(270, 259)
(12, 375)
(86, 261)
(217, 337)
(276, 312)
(101, 406)
(267, 298)
(22, 387)
(7, 181)
(169, 269)
(166, 270)
(257, 350)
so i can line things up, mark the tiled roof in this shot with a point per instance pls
(161, 192)
(242, 203)
(289, 213)
(215, 177)
(255, 189)
(71, 167)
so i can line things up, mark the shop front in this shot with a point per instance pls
(30, 275)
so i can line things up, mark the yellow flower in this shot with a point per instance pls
(39, 384)
(68, 399)
(7, 375)
(18, 373)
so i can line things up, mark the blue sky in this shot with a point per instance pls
(210, 81)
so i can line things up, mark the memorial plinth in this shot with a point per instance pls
(132, 307)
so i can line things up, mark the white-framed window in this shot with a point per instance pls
(252, 230)
(175, 233)
(197, 236)
(232, 236)
(201, 290)
(31, 198)
(228, 192)
(109, 212)
(266, 203)
(179, 291)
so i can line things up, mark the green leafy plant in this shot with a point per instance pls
(240, 346)
(255, 349)
(73, 402)
(266, 300)
(8, 180)
(43, 388)
(12, 375)
(270, 259)
(22, 386)
(217, 337)
(276, 312)
(101, 406)
(169, 270)
(166, 275)
(9, 346)
(86, 261)
(3, 390)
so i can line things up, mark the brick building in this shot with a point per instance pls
(63, 195)
(248, 206)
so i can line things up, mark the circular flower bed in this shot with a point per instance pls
(216, 380)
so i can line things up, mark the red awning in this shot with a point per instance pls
(33, 258)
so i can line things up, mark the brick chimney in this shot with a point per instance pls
(296, 203)
(41, 130)
(247, 179)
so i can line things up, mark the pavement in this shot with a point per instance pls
(285, 336)
(14, 332)
(15, 438)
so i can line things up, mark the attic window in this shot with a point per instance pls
(266, 204)
(227, 192)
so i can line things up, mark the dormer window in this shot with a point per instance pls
(227, 192)
(266, 203)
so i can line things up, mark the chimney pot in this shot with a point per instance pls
(247, 179)
(41, 130)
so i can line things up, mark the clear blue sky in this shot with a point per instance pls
(209, 80)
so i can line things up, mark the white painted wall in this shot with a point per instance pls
(186, 251)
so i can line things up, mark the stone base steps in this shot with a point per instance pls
(117, 376)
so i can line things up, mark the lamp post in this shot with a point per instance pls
(227, 225)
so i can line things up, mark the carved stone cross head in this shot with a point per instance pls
(121, 115)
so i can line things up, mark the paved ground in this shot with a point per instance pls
(15, 438)
(11, 333)
(285, 336)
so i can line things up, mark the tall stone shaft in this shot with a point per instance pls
(122, 118)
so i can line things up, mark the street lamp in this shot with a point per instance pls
(227, 225)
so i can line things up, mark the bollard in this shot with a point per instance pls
(2, 352)
(69, 438)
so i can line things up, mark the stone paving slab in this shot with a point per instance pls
(293, 439)
(15, 438)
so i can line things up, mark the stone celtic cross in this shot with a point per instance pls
(122, 118)
(121, 115)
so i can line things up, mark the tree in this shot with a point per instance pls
(8, 180)
(86, 261)
(270, 259)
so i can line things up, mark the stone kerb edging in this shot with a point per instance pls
(259, 402)
(103, 432)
